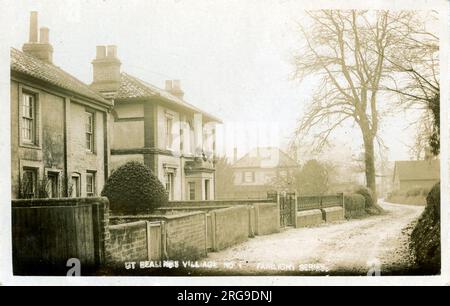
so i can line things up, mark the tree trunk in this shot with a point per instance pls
(369, 159)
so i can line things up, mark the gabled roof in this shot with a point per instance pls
(133, 88)
(266, 157)
(49, 73)
(417, 169)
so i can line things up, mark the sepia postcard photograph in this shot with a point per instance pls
(210, 139)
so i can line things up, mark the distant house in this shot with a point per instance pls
(415, 173)
(255, 171)
(158, 128)
(59, 144)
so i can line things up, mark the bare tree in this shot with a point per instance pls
(346, 51)
(418, 85)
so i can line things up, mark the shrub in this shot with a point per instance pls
(354, 202)
(354, 205)
(370, 200)
(133, 188)
(426, 236)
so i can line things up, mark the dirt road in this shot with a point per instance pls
(347, 247)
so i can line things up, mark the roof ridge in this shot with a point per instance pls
(153, 90)
(57, 69)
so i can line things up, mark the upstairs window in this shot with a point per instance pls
(249, 177)
(89, 130)
(207, 190)
(181, 140)
(29, 118)
(169, 140)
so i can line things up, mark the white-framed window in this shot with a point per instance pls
(53, 184)
(90, 184)
(89, 130)
(29, 183)
(191, 138)
(207, 190)
(75, 186)
(249, 176)
(181, 140)
(169, 184)
(169, 136)
(28, 118)
(191, 191)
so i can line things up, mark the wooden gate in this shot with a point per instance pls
(287, 209)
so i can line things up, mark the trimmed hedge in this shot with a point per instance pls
(426, 236)
(133, 188)
(354, 205)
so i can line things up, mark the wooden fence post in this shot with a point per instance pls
(164, 254)
(294, 215)
(149, 250)
(343, 204)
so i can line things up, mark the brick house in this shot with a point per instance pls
(58, 126)
(255, 171)
(411, 174)
(158, 128)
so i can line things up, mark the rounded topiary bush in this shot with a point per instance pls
(133, 188)
(370, 200)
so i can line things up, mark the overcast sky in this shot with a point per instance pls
(232, 57)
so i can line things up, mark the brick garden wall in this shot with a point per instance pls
(213, 203)
(267, 218)
(128, 242)
(183, 234)
(231, 226)
(186, 236)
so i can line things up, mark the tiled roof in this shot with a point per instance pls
(134, 88)
(36, 68)
(267, 157)
(417, 169)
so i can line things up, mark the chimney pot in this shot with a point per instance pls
(112, 51)
(176, 84)
(176, 89)
(42, 49)
(106, 69)
(33, 27)
(44, 35)
(101, 52)
(168, 85)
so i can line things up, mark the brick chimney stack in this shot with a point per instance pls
(33, 27)
(174, 87)
(39, 48)
(106, 67)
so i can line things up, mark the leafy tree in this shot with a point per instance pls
(224, 178)
(313, 179)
